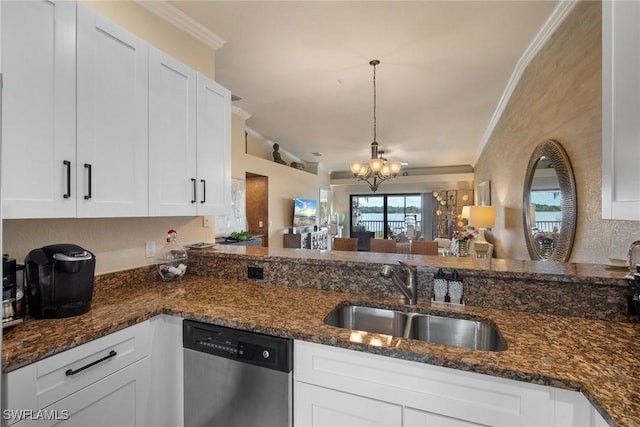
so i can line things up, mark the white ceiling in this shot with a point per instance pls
(302, 71)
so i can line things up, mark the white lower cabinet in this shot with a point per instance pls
(319, 406)
(417, 418)
(165, 403)
(132, 377)
(335, 387)
(113, 401)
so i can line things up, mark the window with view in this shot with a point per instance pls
(385, 215)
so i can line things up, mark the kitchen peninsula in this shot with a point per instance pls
(589, 348)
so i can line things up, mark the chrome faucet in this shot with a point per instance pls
(409, 283)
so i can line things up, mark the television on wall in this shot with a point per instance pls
(304, 212)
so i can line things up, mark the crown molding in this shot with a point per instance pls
(240, 112)
(552, 23)
(179, 19)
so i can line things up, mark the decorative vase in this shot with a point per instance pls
(546, 248)
(463, 248)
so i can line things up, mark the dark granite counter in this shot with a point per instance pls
(596, 357)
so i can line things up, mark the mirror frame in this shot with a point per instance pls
(552, 150)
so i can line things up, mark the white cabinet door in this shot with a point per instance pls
(39, 116)
(214, 148)
(172, 136)
(166, 399)
(415, 418)
(112, 122)
(117, 400)
(620, 110)
(319, 406)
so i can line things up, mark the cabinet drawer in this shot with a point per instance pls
(39, 385)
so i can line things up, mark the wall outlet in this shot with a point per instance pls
(150, 249)
(259, 224)
(207, 221)
(255, 272)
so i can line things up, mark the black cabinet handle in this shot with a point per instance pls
(88, 166)
(67, 164)
(193, 181)
(204, 191)
(71, 372)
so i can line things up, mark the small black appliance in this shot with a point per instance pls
(59, 280)
(13, 300)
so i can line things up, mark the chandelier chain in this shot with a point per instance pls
(374, 103)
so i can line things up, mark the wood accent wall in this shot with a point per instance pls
(558, 97)
(257, 206)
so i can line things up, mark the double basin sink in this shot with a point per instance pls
(472, 334)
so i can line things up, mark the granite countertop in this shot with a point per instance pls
(506, 268)
(596, 357)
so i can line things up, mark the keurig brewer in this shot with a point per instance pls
(59, 280)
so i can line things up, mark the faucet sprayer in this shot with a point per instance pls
(408, 287)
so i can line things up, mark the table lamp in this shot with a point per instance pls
(481, 218)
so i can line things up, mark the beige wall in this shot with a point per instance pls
(120, 243)
(558, 97)
(285, 183)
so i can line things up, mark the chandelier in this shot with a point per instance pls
(379, 169)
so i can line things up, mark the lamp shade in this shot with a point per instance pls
(395, 167)
(376, 164)
(356, 167)
(465, 212)
(482, 216)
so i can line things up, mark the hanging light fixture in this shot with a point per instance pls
(378, 169)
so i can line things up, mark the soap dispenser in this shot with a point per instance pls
(455, 288)
(440, 286)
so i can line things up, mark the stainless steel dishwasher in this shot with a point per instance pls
(236, 378)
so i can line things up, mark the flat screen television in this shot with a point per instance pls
(304, 212)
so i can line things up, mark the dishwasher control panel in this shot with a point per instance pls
(248, 347)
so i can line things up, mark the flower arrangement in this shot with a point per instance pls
(462, 235)
(546, 235)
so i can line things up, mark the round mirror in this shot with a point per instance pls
(549, 203)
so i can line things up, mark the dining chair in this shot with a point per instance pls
(382, 245)
(424, 247)
(345, 244)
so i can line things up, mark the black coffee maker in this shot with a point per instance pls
(59, 280)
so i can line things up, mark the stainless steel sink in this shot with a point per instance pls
(369, 319)
(473, 334)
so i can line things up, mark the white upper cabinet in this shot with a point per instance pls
(189, 141)
(98, 123)
(112, 122)
(172, 137)
(214, 148)
(38, 114)
(621, 110)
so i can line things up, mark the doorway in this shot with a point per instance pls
(257, 206)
